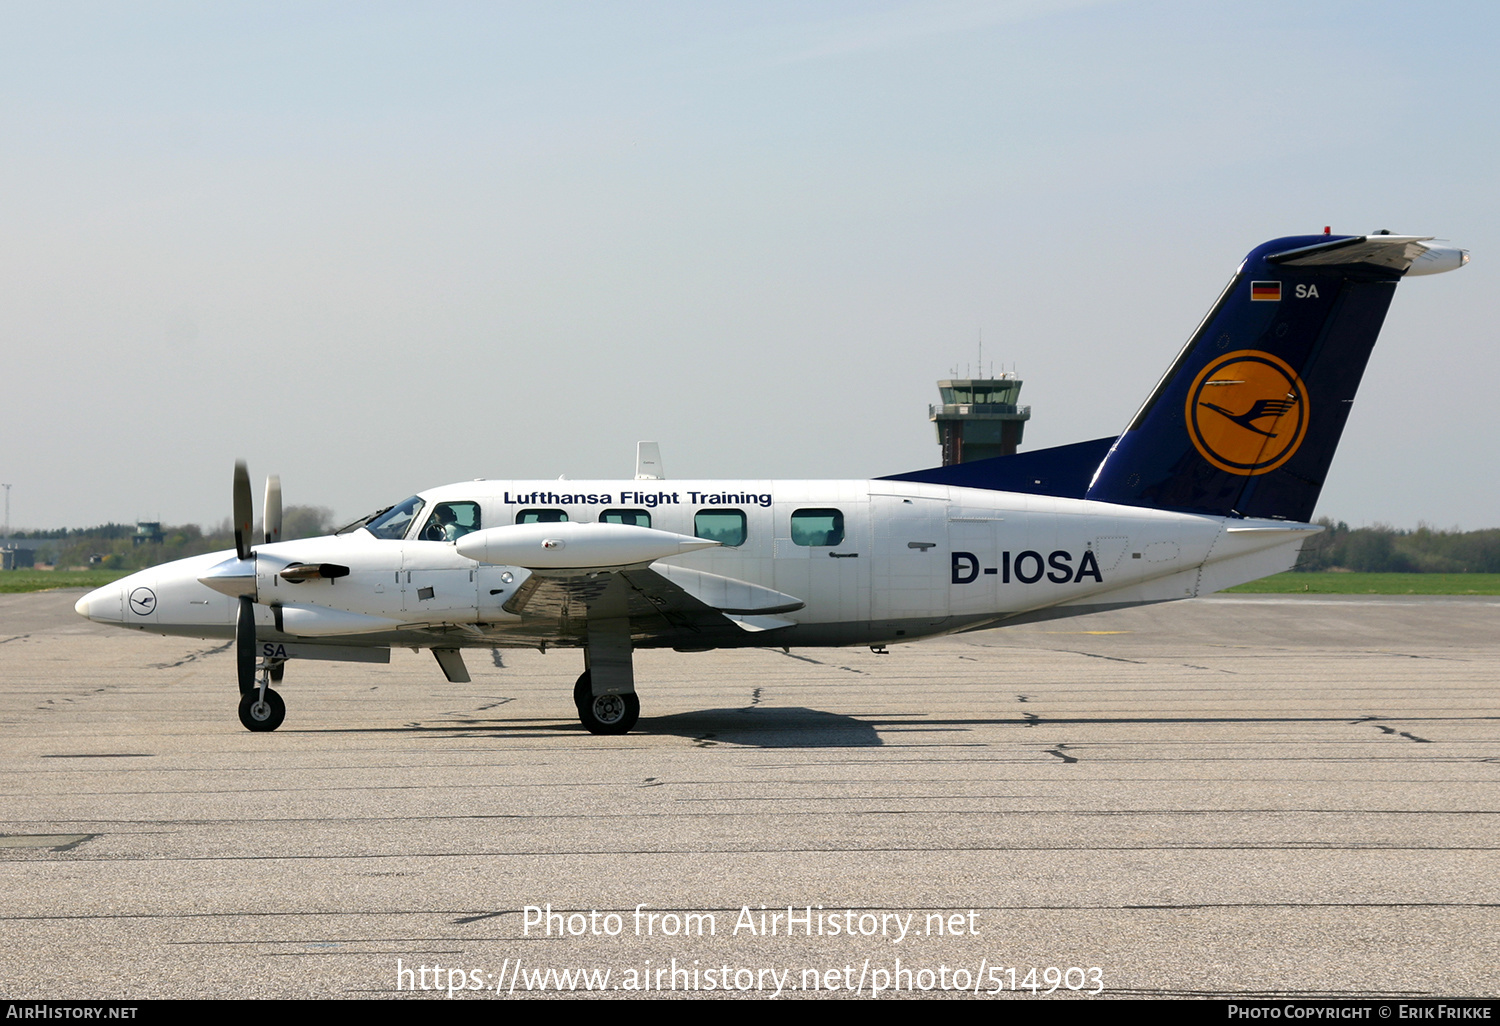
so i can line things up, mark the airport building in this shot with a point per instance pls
(16, 558)
(979, 418)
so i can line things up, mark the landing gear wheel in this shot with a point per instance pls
(261, 715)
(604, 714)
(610, 714)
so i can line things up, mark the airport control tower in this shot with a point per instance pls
(979, 418)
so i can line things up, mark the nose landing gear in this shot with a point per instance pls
(261, 711)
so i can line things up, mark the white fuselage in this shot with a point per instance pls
(905, 561)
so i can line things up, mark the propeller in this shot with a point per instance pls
(260, 707)
(239, 578)
(271, 511)
(244, 645)
(244, 515)
(244, 630)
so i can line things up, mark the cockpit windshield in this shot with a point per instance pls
(390, 523)
(355, 525)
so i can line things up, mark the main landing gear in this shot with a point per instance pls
(604, 714)
(605, 693)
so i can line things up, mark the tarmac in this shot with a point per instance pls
(1234, 797)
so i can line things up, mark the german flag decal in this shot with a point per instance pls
(1270, 291)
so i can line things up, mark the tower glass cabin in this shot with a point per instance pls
(979, 418)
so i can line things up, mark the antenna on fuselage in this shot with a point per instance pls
(648, 462)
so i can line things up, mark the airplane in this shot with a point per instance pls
(1211, 484)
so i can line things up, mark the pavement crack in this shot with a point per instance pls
(1401, 733)
(192, 656)
(1096, 655)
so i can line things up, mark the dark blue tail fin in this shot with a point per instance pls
(1246, 421)
(1065, 470)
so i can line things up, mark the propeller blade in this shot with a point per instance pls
(244, 644)
(244, 515)
(271, 511)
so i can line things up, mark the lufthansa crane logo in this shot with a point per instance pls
(142, 601)
(1247, 412)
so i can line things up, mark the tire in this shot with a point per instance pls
(610, 714)
(262, 716)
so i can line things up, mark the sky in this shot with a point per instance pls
(376, 247)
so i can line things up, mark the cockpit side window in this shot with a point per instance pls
(392, 524)
(450, 521)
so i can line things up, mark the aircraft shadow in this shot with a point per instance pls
(754, 727)
(765, 727)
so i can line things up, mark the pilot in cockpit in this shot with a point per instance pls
(445, 524)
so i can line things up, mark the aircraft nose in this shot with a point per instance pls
(102, 605)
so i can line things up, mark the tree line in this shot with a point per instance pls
(1385, 549)
(114, 547)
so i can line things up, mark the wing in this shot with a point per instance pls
(665, 605)
(580, 574)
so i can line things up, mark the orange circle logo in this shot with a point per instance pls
(1247, 412)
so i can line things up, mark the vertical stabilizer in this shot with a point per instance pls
(1246, 421)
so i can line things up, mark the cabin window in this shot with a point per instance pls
(392, 524)
(542, 516)
(725, 526)
(818, 527)
(632, 517)
(450, 521)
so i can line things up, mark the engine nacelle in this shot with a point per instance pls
(569, 546)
